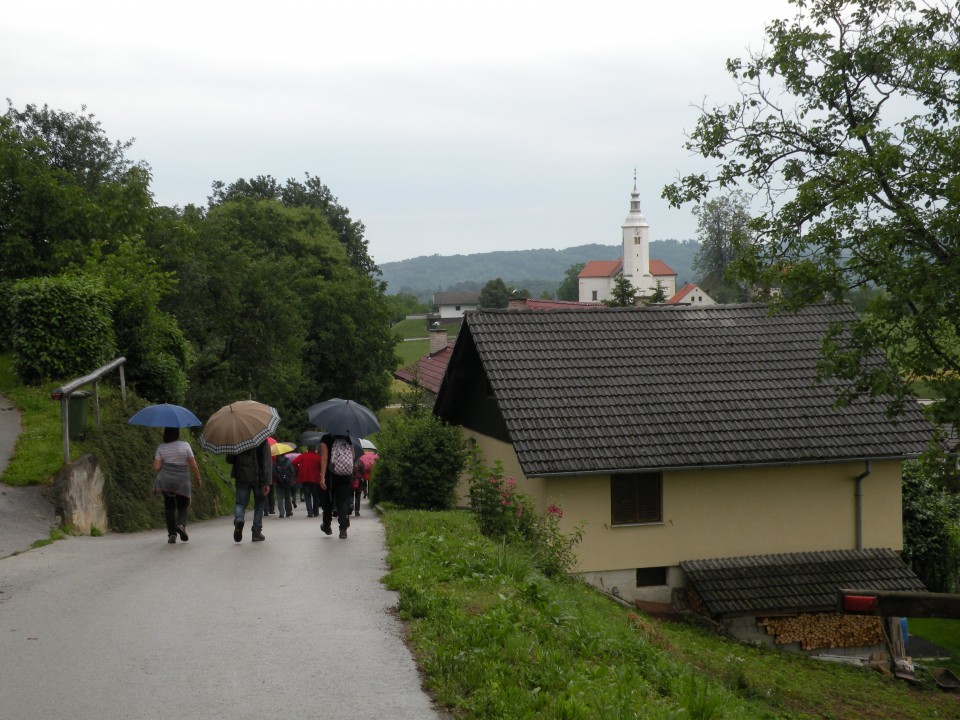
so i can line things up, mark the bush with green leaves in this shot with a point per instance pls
(61, 327)
(421, 458)
(931, 524)
(503, 512)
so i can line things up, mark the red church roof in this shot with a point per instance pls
(601, 268)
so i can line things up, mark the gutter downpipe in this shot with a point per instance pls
(859, 496)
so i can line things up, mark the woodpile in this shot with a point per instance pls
(824, 630)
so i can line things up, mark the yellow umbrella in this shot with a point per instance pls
(281, 448)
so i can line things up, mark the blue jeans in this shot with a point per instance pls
(243, 497)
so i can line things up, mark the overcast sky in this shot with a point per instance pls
(444, 127)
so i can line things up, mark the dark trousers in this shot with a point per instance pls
(313, 498)
(175, 511)
(356, 501)
(342, 493)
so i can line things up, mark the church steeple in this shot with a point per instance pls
(635, 233)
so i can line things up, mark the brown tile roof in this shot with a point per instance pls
(532, 304)
(456, 298)
(610, 268)
(668, 386)
(601, 268)
(681, 293)
(794, 582)
(428, 371)
(659, 267)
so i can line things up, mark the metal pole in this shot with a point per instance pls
(65, 425)
(96, 404)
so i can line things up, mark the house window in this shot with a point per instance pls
(458, 307)
(594, 295)
(650, 576)
(635, 498)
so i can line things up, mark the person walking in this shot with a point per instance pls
(252, 473)
(343, 455)
(311, 466)
(361, 478)
(284, 475)
(173, 463)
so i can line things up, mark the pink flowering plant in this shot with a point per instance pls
(504, 512)
(501, 510)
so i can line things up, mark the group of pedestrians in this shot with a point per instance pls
(333, 472)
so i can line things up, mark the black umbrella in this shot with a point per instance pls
(310, 437)
(343, 417)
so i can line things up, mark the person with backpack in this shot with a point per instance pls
(252, 473)
(284, 477)
(311, 468)
(343, 454)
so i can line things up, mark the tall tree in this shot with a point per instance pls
(311, 193)
(64, 185)
(495, 294)
(623, 294)
(847, 132)
(722, 226)
(569, 288)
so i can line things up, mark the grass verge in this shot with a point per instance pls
(38, 453)
(495, 638)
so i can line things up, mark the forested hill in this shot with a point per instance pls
(535, 270)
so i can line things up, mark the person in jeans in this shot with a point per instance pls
(252, 473)
(173, 463)
(284, 475)
(310, 467)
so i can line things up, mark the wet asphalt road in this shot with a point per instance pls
(128, 626)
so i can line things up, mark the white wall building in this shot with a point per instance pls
(596, 280)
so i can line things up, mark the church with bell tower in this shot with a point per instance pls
(596, 280)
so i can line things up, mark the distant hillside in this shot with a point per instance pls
(535, 270)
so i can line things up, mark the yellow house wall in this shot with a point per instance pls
(492, 450)
(728, 513)
(719, 513)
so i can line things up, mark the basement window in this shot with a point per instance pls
(636, 498)
(650, 576)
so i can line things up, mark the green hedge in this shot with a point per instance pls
(61, 327)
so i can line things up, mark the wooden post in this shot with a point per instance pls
(902, 604)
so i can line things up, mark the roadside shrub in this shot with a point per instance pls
(503, 512)
(61, 327)
(931, 535)
(421, 458)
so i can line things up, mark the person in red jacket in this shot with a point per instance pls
(311, 468)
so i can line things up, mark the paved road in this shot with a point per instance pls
(128, 626)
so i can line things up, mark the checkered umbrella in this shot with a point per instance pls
(238, 426)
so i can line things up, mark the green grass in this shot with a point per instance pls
(38, 454)
(412, 350)
(411, 329)
(944, 633)
(495, 638)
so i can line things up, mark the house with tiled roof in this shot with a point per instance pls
(429, 370)
(455, 304)
(596, 280)
(712, 444)
(691, 294)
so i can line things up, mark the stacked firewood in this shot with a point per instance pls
(824, 630)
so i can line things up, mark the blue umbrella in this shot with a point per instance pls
(165, 416)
